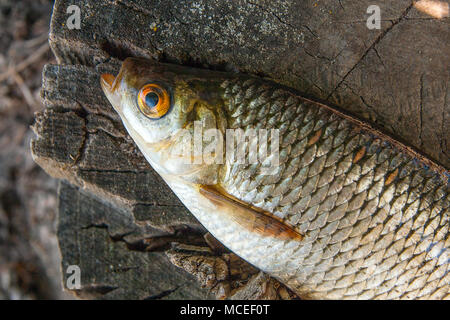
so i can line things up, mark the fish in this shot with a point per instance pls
(332, 207)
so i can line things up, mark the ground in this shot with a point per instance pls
(29, 255)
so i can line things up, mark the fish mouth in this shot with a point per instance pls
(108, 84)
(107, 81)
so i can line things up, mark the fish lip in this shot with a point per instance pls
(107, 81)
(108, 84)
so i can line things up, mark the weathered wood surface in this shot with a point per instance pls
(396, 77)
(101, 240)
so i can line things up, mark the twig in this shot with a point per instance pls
(25, 63)
(24, 89)
(35, 41)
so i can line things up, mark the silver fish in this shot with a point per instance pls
(347, 213)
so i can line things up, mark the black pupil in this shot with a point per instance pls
(151, 99)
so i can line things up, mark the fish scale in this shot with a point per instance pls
(367, 226)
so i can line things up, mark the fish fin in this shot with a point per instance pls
(252, 218)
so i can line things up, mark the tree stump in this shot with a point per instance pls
(118, 221)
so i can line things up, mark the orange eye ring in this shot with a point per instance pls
(153, 101)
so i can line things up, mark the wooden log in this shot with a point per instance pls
(102, 240)
(395, 77)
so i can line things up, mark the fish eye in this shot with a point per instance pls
(153, 101)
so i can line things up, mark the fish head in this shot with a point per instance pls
(148, 100)
(157, 101)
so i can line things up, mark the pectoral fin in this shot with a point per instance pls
(252, 218)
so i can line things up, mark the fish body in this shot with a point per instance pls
(346, 212)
